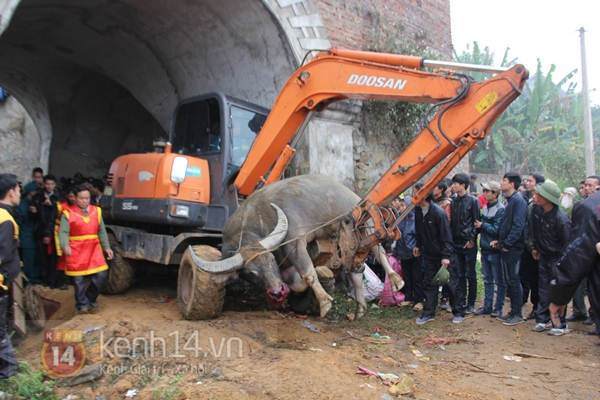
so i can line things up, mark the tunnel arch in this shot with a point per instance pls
(70, 62)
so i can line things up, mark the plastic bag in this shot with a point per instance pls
(372, 286)
(388, 296)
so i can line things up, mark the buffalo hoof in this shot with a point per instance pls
(396, 281)
(325, 309)
(361, 311)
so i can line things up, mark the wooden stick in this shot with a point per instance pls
(557, 381)
(497, 375)
(529, 355)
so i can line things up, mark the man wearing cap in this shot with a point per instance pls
(434, 243)
(550, 235)
(529, 268)
(489, 225)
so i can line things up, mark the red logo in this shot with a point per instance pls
(63, 354)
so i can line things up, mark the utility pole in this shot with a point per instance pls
(590, 161)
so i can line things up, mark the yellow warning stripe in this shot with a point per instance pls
(83, 237)
(87, 271)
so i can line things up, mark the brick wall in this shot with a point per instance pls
(350, 23)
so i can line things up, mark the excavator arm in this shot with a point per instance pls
(466, 111)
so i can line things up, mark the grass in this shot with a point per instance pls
(166, 394)
(28, 384)
(392, 318)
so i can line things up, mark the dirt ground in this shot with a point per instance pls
(268, 354)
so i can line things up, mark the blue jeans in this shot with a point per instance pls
(510, 265)
(493, 273)
(465, 261)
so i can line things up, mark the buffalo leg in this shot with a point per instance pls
(301, 260)
(395, 279)
(359, 295)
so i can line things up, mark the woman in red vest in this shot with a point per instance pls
(82, 238)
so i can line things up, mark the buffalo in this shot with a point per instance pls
(266, 239)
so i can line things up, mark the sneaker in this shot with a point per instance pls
(496, 313)
(541, 327)
(444, 305)
(504, 317)
(63, 287)
(457, 319)
(424, 319)
(589, 321)
(94, 304)
(573, 318)
(418, 307)
(532, 315)
(469, 310)
(482, 311)
(514, 320)
(406, 303)
(83, 311)
(557, 331)
(594, 332)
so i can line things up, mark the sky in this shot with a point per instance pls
(533, 29)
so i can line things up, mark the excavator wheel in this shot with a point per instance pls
(201, 294)
(34, 307)
(120, 270)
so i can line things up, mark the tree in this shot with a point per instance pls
(540, 131)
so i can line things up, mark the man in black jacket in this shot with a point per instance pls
(46, 214)
(580, 259)
(434, 243)
(10, 196)
(511, 242)
(550, 234)
(465, 211)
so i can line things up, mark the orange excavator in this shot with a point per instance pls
(222, 149)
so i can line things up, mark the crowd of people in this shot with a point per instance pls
(56, 230)
(530, 251)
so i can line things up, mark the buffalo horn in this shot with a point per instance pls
(218, 267)
(276, 237)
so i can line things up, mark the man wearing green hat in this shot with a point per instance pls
(550, 234)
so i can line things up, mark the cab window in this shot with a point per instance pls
(197, 128)
(245, 125)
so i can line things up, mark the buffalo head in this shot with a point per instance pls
(255, 261)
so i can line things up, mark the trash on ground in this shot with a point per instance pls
(424, 359)
(378, 336)
(412, 366)
(164, 301)
(418, 354)
(367, 385)
(310, 326)
(95, 328)
(404, 385)
(386, 378)
(315, 349)
(131, 393)
(334, 344)
(385, 396)
(512, 358)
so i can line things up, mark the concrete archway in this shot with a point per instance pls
(101, 78)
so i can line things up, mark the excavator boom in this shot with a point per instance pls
(466, 110)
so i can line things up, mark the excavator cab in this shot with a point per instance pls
(220, 129)
(185, 184)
